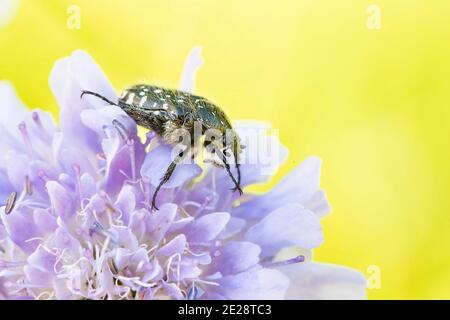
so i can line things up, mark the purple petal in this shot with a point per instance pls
(64, 240)
(98, 119)
(261, 158)
(207, 227)
(59, 199)
(287, 226)
(42, 260)
(88, 186)
(20, 228)
(44, 220)
(159, 222)
(257, 284)
(316, 281)
(174, 246)
(173, 291)
(12, 109)
(124, 165)
(5, 187)
(193, 62)
(37, 276)
(126, 203)
(69, 77)
(298, 186)
(156, 164)
(234, 257)
(319, 204)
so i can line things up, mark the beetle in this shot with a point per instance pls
(168, 112)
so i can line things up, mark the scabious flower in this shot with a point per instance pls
(81, 226)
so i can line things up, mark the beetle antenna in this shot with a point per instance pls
(98, 96)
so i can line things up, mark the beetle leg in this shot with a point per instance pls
(227, 167)
(238, 169)
(167, 176)
(238, 166)
(164, 179)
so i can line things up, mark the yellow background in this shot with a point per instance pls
(373, 104)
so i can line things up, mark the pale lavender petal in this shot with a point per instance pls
(317, 281)
(5, 187)
(97, 119)
(207, 227)
(193, 62)
(319, 204)
(159, 222)
(37, 277)
(44, 220)
(259, 284)
(156, 164)
(173, 291)
(124, 165)
(42, 260)
(298, 187)
(174, 246)
(60, 199)
(13, 108)
(234, 257)
(69, 77)
(287, 226)
(126, 202)
(20, 229)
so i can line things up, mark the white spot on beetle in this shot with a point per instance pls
(142, 93)
(157, 91)
(130, 98)
(142, 102)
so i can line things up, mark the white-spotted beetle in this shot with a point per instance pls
(169, 113)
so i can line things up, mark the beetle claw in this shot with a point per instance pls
(238, 189)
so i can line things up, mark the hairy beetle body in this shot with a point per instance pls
(169, 112)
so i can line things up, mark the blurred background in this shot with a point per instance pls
(365, 85)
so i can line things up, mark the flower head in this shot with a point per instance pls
(81, 225)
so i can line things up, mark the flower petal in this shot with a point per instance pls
(299, 186)
(193, 62)
(257, 284)
(234, 257)
(158, 160)
(97, 119)
(124, 164)
(20, 228)
(69, 77)
(314, 281)
(287, 226)
(42, 260)
(59, 199)
(159, 222)
(207, 227)
(174, 246)
(13, 108)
